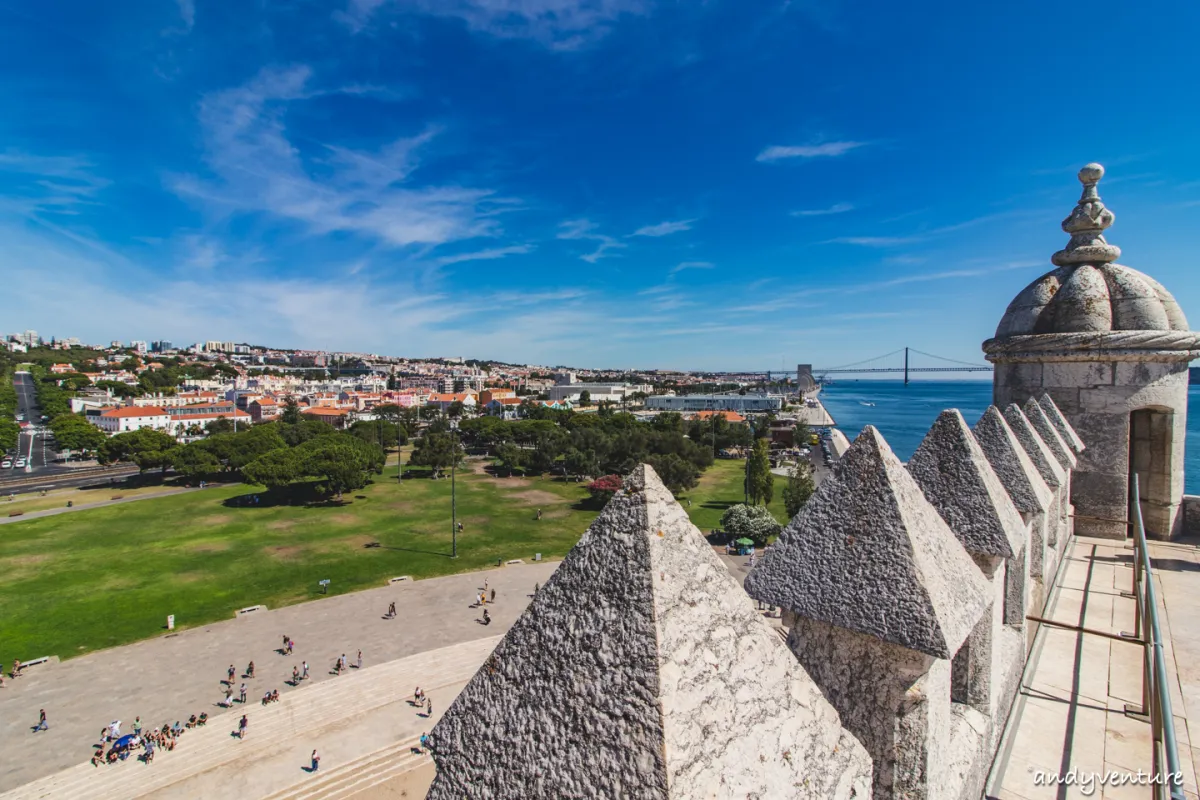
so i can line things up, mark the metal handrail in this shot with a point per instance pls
(1156, 687)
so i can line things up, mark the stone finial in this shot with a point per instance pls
(641, 669)
(957, 479)
(1012, 464)
(1086, 224)
(868, 553)
(1064, 428)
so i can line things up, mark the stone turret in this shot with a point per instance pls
(1111, 347)
(641, 669)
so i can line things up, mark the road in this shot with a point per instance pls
(35, 443)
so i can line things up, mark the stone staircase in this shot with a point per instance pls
(355, 777)
(299, 714)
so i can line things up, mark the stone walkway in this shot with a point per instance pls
(1071, 711)
(171, 677)
(50, 512)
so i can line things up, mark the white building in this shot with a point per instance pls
(715, 402)
(597, 392)
(130, 418)
(138, 346)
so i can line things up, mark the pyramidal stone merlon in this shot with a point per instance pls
(870, 554)
(1045, 428)
(1025, 485)
(641, 669)
(1048, 466)
(1064, 428)
(957, 479)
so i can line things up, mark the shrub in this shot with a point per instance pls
(751, 522)
(603, 489)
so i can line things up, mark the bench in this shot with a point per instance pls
(33, 662)
(514, 561)
(15, 513)
(400, 579)
(241, 612)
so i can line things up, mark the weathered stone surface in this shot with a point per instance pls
(870, 554)
(1047, 465)
(957, 479)
(642, 670)
(1025, 485)
(1045, 428)
(1068, 433)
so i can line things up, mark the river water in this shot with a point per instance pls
(903, 414)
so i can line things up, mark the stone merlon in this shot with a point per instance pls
(868, 553)
(641, 669)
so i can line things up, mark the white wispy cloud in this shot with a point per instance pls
(691, 265)
(586, 230)
(664, 228)
(924, 277)
(187, 12)
(57, 184)
(557, 24)
(825, 150)
(369, 193)
(922, 236)
(486, 255)
(836, 208)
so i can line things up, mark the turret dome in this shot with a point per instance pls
(1088, 293)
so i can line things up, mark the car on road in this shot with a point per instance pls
(20, 463)
(6, 464)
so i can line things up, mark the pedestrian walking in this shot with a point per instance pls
(250, 670)
(149, 750)
(304, 671)
(358, 665)
(232, 672)
(137, 727)
(242, 693)
(493, 598)
(428, 707)
(242, 726)
(295, 676)
(316, 761)
(42, 726)
(291, 644)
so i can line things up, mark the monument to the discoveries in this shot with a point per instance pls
(1111, 346)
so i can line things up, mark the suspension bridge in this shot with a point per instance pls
(879, 364)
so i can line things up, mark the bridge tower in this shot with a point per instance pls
(1111, 347)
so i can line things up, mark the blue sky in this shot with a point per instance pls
(712, 184)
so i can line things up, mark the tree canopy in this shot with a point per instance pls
(751, 522)
(798, 489)
(760, 483)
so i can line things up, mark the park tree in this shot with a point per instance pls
(760, 483)
(798, 489)
(219, 425)
(456, 409)
(676, 473)
(581, 463)
(585, 398)
(342, 463)
(76, 433)
(146, 447)
(192, 461)
(291, 411)
(275, 469)
(438, 451)
(751, 522)
(510, 456)
(10, 433)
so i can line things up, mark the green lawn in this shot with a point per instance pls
(96, 578)
(721, 487)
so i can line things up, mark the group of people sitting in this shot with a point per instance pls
(120, 748)
(197, 722)
(271, 697)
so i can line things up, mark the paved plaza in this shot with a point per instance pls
(172, 677)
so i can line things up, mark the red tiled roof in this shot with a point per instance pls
(134, 411)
